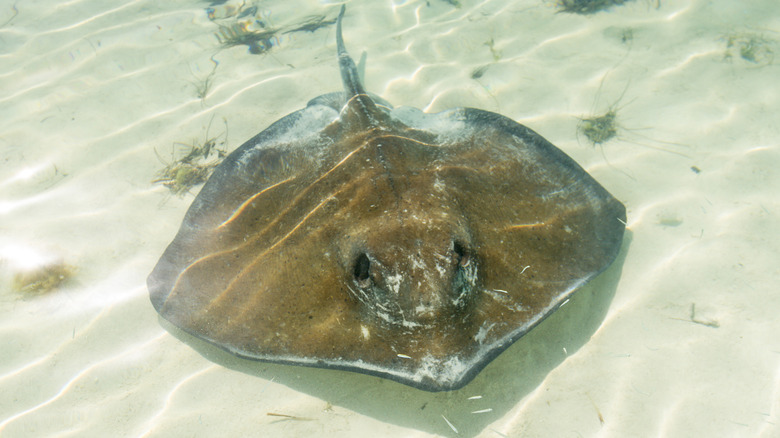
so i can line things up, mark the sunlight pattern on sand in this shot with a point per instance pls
(91, 93)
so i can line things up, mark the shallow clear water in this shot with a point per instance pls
(95, 96)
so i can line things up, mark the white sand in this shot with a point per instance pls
(88, 93)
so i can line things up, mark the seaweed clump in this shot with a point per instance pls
(194, 168)
(258, 41)
(599, 129)
(42, 279)
(248, 26)
(311, 24)
(750, 47)
(203, 86)
(584, 7)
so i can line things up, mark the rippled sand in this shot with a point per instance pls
(689, 346)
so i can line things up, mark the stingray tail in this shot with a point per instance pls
(349, 72)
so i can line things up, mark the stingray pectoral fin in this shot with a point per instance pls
(542, 226)
(269, 162)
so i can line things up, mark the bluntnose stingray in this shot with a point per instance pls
(387, 241)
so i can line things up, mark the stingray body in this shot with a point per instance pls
(386, 241)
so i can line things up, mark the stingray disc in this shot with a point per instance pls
(386, 241)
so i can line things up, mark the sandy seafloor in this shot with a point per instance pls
(89, 90)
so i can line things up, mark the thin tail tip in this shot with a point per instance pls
(339, 37)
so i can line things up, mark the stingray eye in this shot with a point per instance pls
(462, 256)
(362, 266)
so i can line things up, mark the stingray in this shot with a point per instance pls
(387, 241)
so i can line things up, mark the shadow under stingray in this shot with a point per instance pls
(501, 384)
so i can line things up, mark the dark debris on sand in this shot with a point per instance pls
(585, 7)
